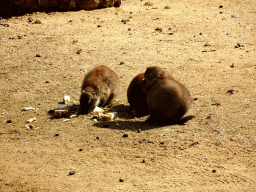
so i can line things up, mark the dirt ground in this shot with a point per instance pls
(209, 46)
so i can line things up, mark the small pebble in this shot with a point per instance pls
(99, 26)
(143, 161)
(125, 135)
(47, 81)
(71, 173)
(121, 180)
(56, 135)
(37, 22)
(97, 138)
(122, 62)
(141, 141)
(162, 143)
(75, 41)
(79, 51)
(37, 55)
(233, 65)
(195, 99)
(80, 149)
(214, 171)
(206, 44)
(231, 91)
(150, 142)
(30, 19)
(221, 6)
(200, 33)
(159, 29)
(9, 121)
(208, 117)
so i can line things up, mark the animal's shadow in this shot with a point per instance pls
(125, 121)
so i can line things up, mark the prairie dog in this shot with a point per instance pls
(100, 87)
(167, 99)
(136, 97)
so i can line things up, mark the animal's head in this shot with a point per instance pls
(153, 73)
(88, 101)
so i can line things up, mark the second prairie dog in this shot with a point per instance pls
(100, 87)
(167, 99)
(136, 97)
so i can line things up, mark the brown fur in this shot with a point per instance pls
(167, 99)
(100, 87)
(136, 97)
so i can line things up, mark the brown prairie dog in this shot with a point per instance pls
(100, 87)
(167, 99)
(136, 97)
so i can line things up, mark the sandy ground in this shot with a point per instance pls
(208, 47)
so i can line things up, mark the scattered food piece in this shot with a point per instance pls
(61, 113)
(97, 109)
(66, 99)
(31, 120)
(28, 108)
(235, 16)
(107, 116)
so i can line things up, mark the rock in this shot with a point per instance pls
(233, 65)
(125, 135)
(20, 7)
(79, 51)
(71, 173)
(9, 121)
(121, 180)
(231, 91)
